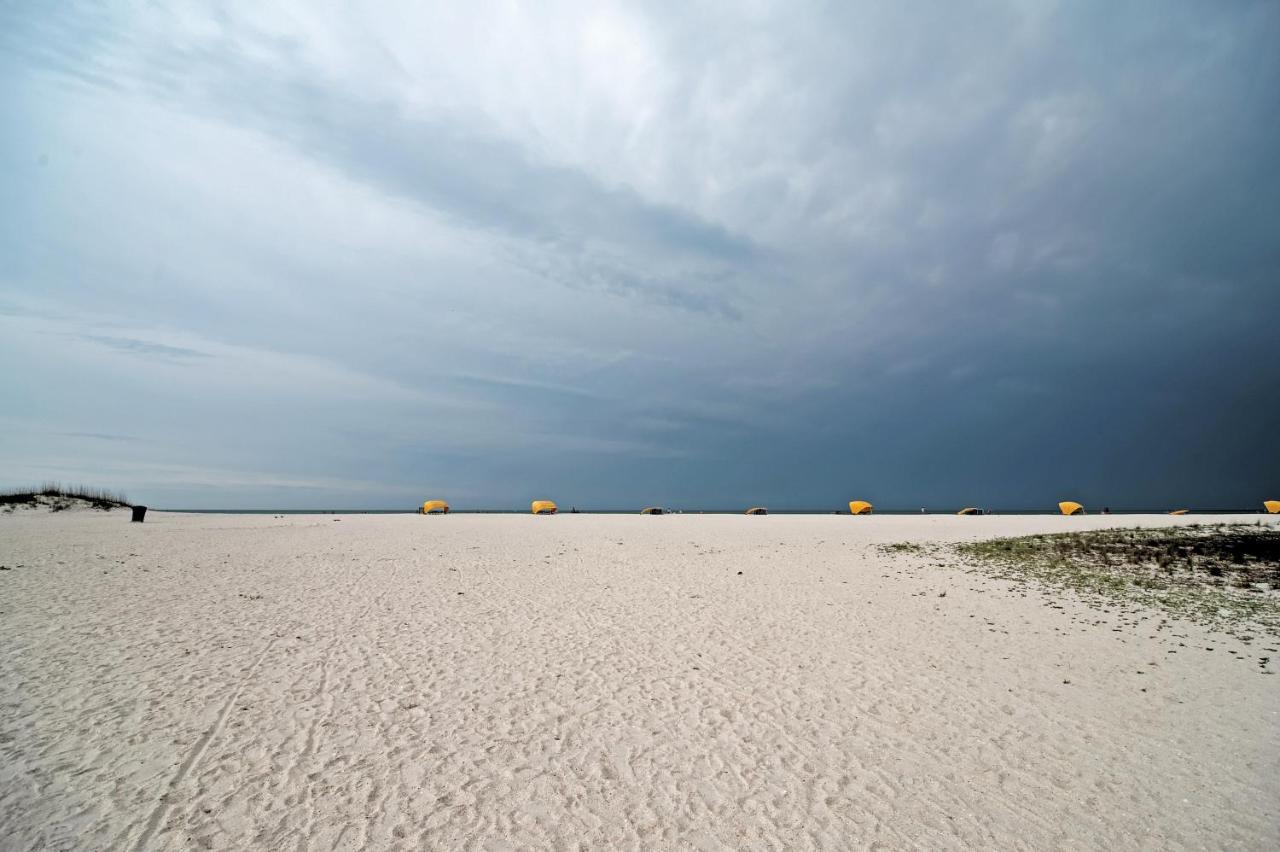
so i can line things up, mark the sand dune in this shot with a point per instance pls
(589, 682)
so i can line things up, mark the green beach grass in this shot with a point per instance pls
(1223, 576)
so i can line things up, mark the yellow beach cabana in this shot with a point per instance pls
(970, 510)
(859, 507)
(757, 510)
(542, 507)
(651, 510)
(435, 507)
(1273, 506)
(1179, 511)
(1068, 507)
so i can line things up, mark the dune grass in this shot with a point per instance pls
(58, 497)
(1225, 576)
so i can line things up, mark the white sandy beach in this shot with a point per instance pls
(603, 682)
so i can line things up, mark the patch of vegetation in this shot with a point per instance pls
(56, 498)
(902, 547)
(1225, 576)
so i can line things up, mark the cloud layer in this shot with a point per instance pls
(689, 254)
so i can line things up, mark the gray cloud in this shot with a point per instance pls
(146, 348)
(970, 255)
(568, 226)
(97, 436)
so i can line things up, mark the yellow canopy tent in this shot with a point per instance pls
(543, 507)
(969, 510)
(1179, 511)
(1273, 506)
(435, 507)
(757, 510)
(651, 510)
(1067, 507)
(859, 507)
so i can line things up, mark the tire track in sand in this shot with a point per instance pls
(321, 719)
(193, 757)
(197, 752)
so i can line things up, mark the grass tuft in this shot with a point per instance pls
(902, 547)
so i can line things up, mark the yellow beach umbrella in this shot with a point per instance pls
(757, 510)
(543, 507)
(651, 510)
(970, 510)
(1068, 507)
(1273, 506)
(859, 507)
(435, 507)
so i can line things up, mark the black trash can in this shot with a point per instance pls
(139, 512)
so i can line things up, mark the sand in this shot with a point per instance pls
(592, 682)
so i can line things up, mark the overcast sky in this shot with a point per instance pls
(308, 254)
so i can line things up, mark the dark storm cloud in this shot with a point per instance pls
(993, 254)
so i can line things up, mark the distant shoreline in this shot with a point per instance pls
(636, 511)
